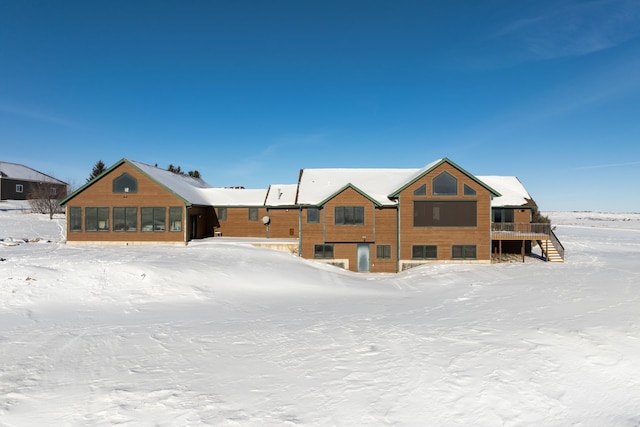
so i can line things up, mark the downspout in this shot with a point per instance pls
(398, 236)
(300, 231)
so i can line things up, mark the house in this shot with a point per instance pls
(368, 220)
(132, 202)
(387, 220)
(18, 182)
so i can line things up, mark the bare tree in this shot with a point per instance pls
(44, 197)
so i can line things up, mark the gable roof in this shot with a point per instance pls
(316, 186)
(189, 189)
(24, 173)
(431, 166)
(512, 192)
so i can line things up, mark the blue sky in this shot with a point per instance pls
(250, 92)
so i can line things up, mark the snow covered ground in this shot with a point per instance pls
(220, 333)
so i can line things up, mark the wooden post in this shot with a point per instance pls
(523, 251)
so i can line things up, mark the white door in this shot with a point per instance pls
(363, 256)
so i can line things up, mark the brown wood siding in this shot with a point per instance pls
(149, 194)
(522, 215)
(386, 234)
(312, 233)
(445, 237)
(284, 223)
(8, 189)
(237, 223)
(205, 221)
(349, 233)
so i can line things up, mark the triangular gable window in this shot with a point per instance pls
(421, 191)
(468, 191)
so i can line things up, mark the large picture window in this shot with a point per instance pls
(153, 219)
(503, 215)
(445, 214)
(175, 218)
(323, 251)
(125, 219)
(75, 219)
(349, 215)
(96, 219)
(125, 183)
(463, 252)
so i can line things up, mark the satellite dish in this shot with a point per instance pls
(266, 220)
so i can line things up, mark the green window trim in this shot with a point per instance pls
(323, 251)
(125, 183)
(96, 219)
(313, 215)
(349, 215)
(445, 184)
(125, 219)
(253, 214)
(175, 218)
(424, 252)
(153, 219)
(383, 251)
(75, 218)
(464, 252)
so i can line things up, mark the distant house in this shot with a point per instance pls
(17, 182)
(377, 220)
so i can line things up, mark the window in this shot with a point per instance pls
(445, 185)
(323, 251)
(424, 252)
(125, 219)
(53, 191)
(463, 252)
(175, 218)
(253, 214)
(96, 219)
(75, 219)
(468, 191)
(421, 191)
(222, 214)
(383, 251)
(313, 215)
(503, 215)
(152, 219)
(349, 215)
(19, 188)
(444, 214)
(125, 183)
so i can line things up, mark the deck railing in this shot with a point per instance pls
(557, 244)
(521, 230)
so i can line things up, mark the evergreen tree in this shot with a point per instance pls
(97, 170)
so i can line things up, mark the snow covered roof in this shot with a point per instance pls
(184, 186)
(511, 189)
(318, 185)
(282, 195)
(24, 173)
(234, 196)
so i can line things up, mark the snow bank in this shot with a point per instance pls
(230, 335)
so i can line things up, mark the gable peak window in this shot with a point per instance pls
(421, 191)
(468, 191)
(445, 184)
(125, 183)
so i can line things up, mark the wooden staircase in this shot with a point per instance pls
(550, 251)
